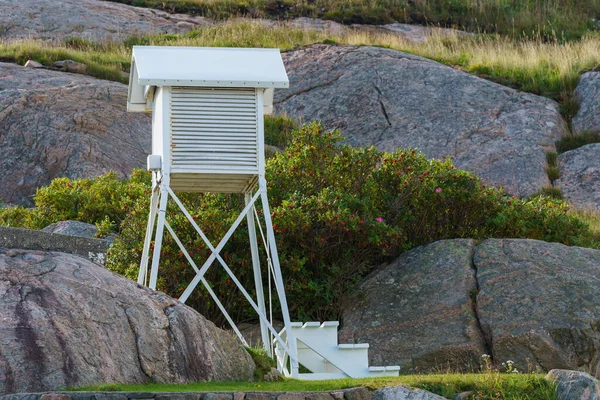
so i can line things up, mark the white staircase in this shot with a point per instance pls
(319, 351)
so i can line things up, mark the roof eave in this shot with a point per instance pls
(212, 83)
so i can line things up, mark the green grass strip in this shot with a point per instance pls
(550, 69)
(510, 386)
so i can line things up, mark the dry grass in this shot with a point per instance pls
(536, 66)
(569, 19)
(551, 69)
(105, 62)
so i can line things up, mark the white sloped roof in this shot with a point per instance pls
(202, 66)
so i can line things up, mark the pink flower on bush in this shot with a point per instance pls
(379, 219)
(438, 190)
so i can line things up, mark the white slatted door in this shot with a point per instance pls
(214, 130)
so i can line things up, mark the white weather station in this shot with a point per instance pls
(208, 107)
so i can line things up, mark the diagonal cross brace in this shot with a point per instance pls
(215, 255)
(206, 285)
(215, 251)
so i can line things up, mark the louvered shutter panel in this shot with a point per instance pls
(214, 129)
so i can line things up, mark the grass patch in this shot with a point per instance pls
(236, 34)
(552, 168)
(263, 362)
(569, 19)
(535, 66)
(551, 69)
(589, 216)
(491, 385)
(569, 106)
(278, 130)
(107, 61)
(575, 141)
(553, 174)
(551, 158)
(552, 192)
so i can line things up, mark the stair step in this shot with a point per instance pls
(314, 324)
(316, 333)
(355, 346)
(391, 368)
(347, 357)
(319, 351)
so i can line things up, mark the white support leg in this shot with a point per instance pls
(215, 255)
(148, 239)
(162, 213)
(260, 297)
(278, 277)
(166, 191)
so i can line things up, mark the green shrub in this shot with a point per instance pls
(338, 213)
(92, 200)
(22, 217)
(105, 201)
